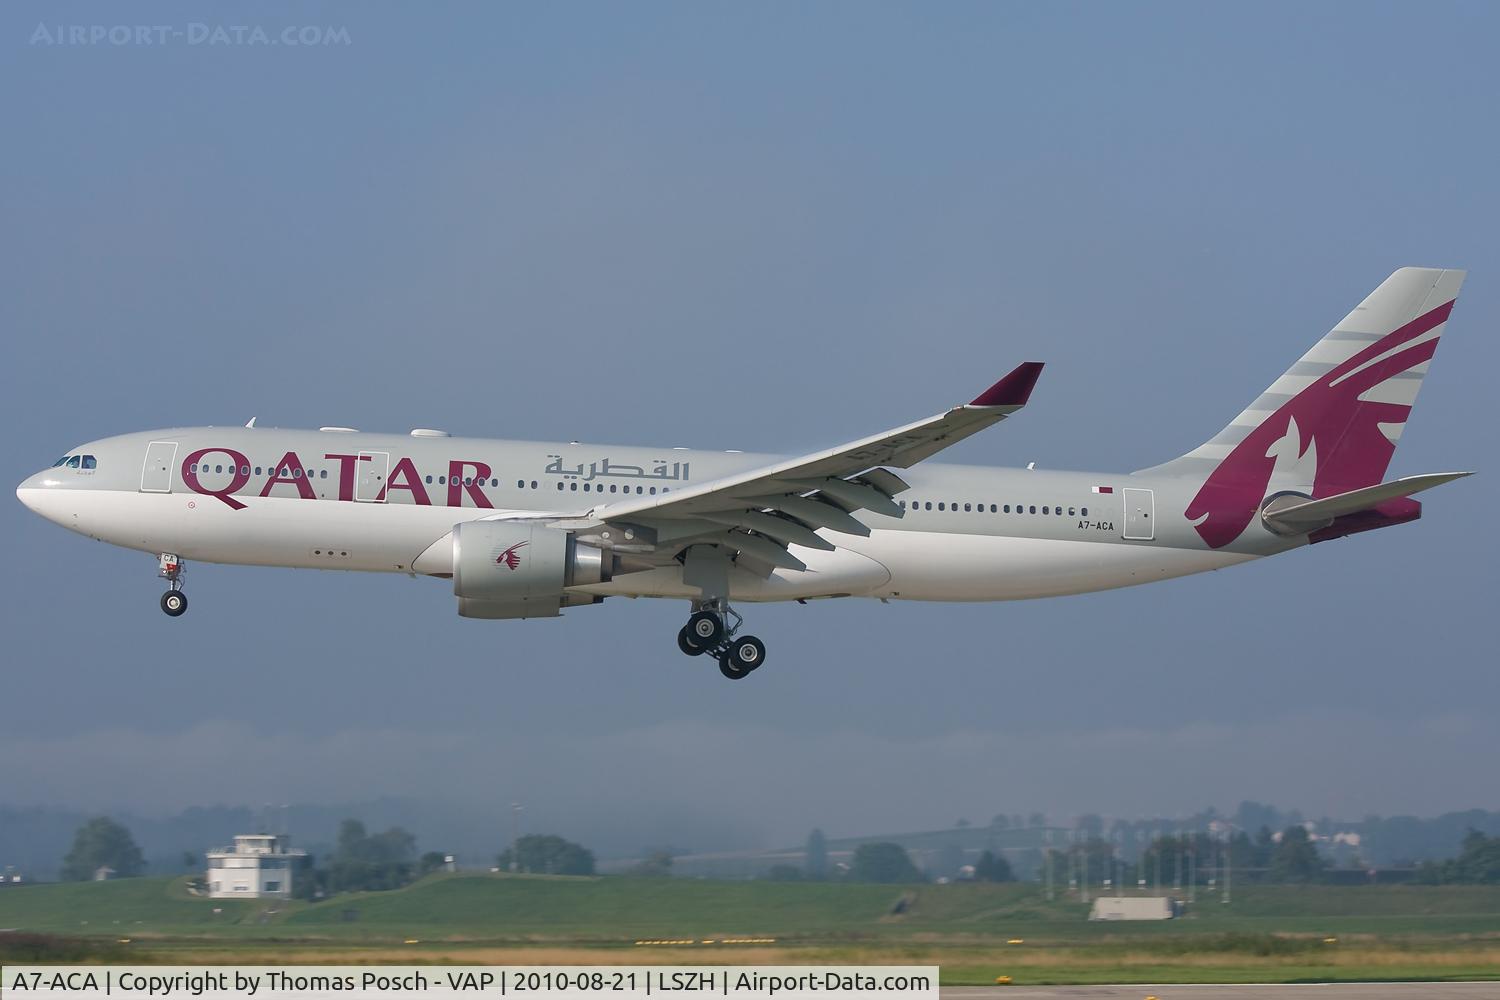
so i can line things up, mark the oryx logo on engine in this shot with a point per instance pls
(511, 557)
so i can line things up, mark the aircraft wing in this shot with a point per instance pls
(760, 512)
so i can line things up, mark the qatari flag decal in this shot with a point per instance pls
(1104, 489)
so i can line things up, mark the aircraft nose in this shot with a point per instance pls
(34, 490)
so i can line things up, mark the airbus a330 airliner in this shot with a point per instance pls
(526, 529)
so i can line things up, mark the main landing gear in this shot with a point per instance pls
(707, 632)
(174, 601)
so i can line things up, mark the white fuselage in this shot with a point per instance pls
(388, 503)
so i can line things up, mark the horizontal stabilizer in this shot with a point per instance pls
(1291, 515)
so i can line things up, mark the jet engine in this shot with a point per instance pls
(520, 569)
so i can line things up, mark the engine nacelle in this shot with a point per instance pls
(520, 569)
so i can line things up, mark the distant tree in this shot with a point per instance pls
(1263, 847)
(656, 864)
(784, 873)
(308, 880)
(365, 862)
(961, 823)
(99, 843)
(352, 836)
(190, 860)
(546, 854)
(431, 862)
(1000, 822)
(1478, 863)
(1241, 851)
(992, 867)
(883, 862)
(816, 861)
(1036, 819)
(1296, 858)
(1091, 825)
(391, 846)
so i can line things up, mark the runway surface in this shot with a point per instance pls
(1274, 991)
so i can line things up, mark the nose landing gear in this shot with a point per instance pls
(708, 632)
(174, 601)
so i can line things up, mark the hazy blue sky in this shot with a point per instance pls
(757, 226)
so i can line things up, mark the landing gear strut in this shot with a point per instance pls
(710, 631)
(174, 601)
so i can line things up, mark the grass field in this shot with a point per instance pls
(1267, 934)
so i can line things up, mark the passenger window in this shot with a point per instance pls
(1033, 508)
(613, 487)
(1085, 512)
(993, 509)
(520, 484)
(1057, 511)
(929, 505)
(257, 470)
(966, 508)
(1070, 511)
(533, 484)
(296, 473)
(585, 487)
(429, 480)
(1046, 511)
(89, 462)
(639, 489)
(442, 480)
(559, 486)
(323, 474)
(1007, 508)
(653, 491)
(941, 505)
(573, 487)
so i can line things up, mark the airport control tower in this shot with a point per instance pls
(258, 866)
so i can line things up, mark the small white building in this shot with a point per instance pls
(258, 866)
(1131, 908)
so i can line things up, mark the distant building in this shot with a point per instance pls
(1132, 908)
(258, 866)
(103, 873)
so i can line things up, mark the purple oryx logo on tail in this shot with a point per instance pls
(1326, 428)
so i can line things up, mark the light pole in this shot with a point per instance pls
(515, 844)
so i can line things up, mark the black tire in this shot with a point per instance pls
(685, 643)
(705, 629)
(174, 602)
(728, 669)
(746, 653)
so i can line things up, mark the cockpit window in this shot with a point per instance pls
(60, 461)
(74, 461)
(89, 462)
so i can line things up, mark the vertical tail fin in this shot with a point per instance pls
(1329, 424)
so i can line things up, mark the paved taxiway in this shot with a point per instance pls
(1276, 991)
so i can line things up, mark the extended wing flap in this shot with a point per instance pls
(1296, 517)
(786, 502)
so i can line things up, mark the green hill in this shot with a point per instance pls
(123, 907)
(615, 910)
